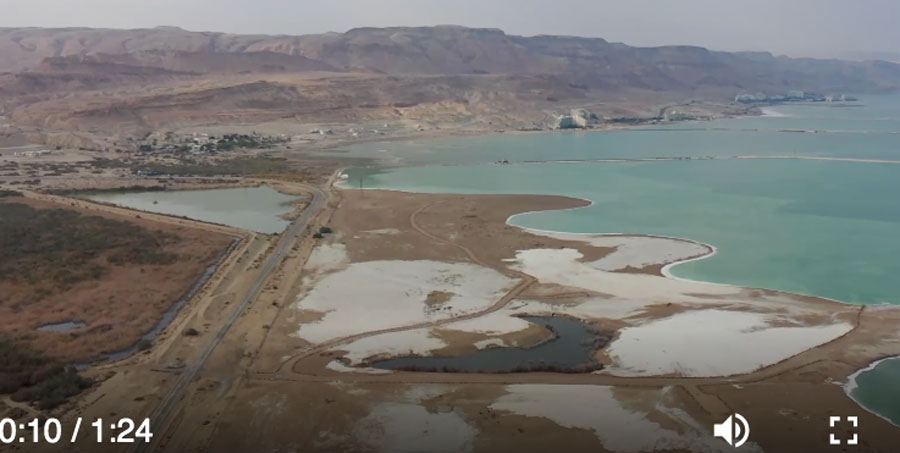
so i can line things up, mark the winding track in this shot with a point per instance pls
(525, 282)
(782, 367)
(160, 415)
(166, 406)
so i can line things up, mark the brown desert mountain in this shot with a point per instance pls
(436, 50)
(145, 79)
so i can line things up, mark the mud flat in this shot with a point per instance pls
(599, 410)
(324, 383)
(611, 280)
(406, 425)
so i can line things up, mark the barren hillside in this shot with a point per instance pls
(434, 50)
(140, 80)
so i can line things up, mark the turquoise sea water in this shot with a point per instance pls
(821, 227)
(871, 131)
(813, 227)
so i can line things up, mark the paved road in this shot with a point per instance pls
(159, 416)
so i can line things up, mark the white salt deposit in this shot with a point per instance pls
(635, 251)
(712, 343)
(497, 323)
(337, 365)
(562, 267)
(387, 231)
(417, 342)
(490, 343)
(378, 295)
(596, 408)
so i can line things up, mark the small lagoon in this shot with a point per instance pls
(250, 208)
(876, 389)
(572, 349)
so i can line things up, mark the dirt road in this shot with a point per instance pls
(160, 414)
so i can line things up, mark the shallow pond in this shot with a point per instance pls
(61, 326)
(572, 350)
(250, 208)
(876, 389)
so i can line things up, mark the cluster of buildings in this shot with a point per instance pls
(791, 96)
(576, 119)
(32, 153)
(205, 143)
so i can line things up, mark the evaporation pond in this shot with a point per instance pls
(251, 208)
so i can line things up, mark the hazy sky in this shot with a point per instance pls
(797, 27)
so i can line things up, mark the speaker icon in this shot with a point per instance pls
(733, 430)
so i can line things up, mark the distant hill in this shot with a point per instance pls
(444, 50)
(132, 82)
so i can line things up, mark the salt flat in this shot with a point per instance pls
(713, 342)
(408, 342)
(377, 295)
(635, 251)
(696, 339)
(564, 267)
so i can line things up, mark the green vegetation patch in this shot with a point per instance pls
(31, 377)
(232, 141)
(242, 166)
(60, 247)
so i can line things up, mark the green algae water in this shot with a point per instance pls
(876, 389)
(762, 190)
(572, 348)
